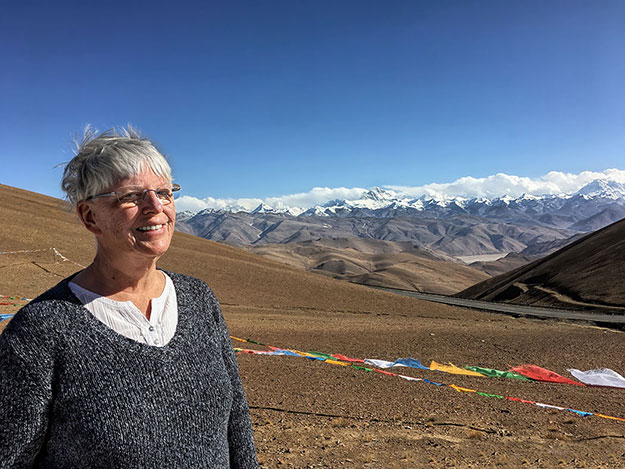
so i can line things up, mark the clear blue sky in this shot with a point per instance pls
(265, 98)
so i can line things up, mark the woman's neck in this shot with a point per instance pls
(137, 283)
(111, 277)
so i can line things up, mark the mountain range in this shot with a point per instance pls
(453, 226)
(382, 203)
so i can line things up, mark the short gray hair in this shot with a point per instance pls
(102, 160)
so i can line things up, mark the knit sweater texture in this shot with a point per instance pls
(75, 393)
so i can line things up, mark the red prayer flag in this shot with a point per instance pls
(338, 356)
(385, 372)
(520, 400)
(542, 374)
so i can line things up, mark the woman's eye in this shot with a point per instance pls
(163, 194)
(130, 196)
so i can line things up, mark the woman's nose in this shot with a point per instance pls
(151, 200)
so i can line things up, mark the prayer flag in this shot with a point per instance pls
(549, 406)
(410, 362)
(460, 389)
(432, 382)
(338, 356)
(602, 377)
(497, 373)
(524, 401)
(485, 394)
(451, 368)
(542, 374)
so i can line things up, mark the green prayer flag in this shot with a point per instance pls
(327, 356)
(489, 395)
(497, 373)
(253, 342)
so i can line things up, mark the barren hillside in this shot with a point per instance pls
(587, 273)
(377, 263)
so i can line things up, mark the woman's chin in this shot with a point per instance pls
(152, 250)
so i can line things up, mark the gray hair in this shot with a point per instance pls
(102, 160)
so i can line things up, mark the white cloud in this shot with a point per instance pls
(497, 185)
(316, 196)
(193, 204)
(501, 184)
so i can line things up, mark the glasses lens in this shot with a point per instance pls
(130, 197)
(135, 196)
(164, 195)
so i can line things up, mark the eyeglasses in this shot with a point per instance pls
(136, 196)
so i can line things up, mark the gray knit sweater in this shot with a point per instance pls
(74, 393)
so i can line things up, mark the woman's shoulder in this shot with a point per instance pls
(188, 283)
(33, 333)
(192, 292)
(45, 310)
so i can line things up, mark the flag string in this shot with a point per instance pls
(54, 250)
(331, 359)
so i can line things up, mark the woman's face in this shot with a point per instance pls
(144, 229)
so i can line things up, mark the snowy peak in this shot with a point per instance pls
(264, 208)
(378, 194)
(603, 189)
(279, 208)
(382, 203)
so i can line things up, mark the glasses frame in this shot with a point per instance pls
(174, 188)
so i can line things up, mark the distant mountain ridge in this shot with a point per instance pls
(454, 226)
(383, 203)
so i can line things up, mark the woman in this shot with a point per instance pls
(122, 365)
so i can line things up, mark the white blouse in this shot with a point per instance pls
(126, 319)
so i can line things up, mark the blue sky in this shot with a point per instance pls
(265, 98)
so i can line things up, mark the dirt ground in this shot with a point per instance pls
(312, 414)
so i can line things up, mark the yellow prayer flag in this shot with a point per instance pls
(451, 368)
(335, 362)
(461, 389)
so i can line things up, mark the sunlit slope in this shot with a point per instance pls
(589, 270)
(378, 263)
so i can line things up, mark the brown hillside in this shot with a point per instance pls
(377, 263)
(313, 414)
(585, 274)
(505, 264)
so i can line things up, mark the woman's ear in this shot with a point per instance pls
(87, 216)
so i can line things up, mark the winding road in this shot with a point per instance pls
(516, 310)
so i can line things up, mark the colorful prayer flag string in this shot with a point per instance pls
(333, 360)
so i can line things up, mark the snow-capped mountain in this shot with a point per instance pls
(603, 189)
(265, 208)
(453, 225)
(383, 203)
